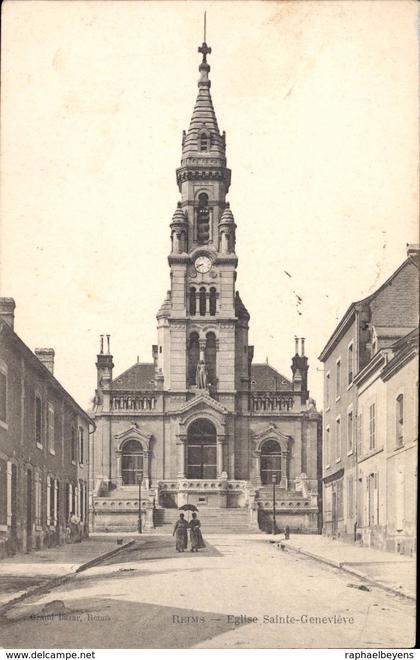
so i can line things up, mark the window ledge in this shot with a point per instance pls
(369, 454)
(52, 452)
(337, 398)
(350, 451)
(337, 460)
(328, 409)
(4, 425)
(73, 462)
(39, 445)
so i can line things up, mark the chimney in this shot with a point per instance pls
(104, 366)
(7, 311)
(300, 370)
(154, 354)
(413, 250)
(46, 356)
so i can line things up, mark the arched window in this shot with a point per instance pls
(201, 450)
(203, 218)
(270, 462)
(399, 418)
(193, 357)
(212, 301)
(193, 302)
(204, 142)
(210, 355)
(131, 462)
(202, 301)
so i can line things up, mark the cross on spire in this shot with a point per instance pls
(206, 50)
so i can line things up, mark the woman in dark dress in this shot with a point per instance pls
(196, 537)
(181, 534)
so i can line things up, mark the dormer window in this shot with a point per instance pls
(204, 142)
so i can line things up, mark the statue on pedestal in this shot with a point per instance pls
(201, 375)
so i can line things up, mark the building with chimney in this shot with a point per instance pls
(44, 438)
(201, 424)
(363, 400)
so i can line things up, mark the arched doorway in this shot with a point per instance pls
(201, 450)
(270, 462)
(131, 462)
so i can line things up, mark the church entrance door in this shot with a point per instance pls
(270, 462)
(201, 450)
(131, 462)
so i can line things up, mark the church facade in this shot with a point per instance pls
(201, 424)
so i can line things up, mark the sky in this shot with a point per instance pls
(319, 104)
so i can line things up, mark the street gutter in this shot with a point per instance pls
(346, 567)
(58, 581)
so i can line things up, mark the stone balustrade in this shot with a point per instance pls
(263, 401)
(141, 401)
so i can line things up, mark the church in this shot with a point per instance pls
(201, 424)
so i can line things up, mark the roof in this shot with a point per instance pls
(45, 373)
(405, 349)
(265, 377)
(391, 333)
(141, 376)
(346, 320)
(392, 357)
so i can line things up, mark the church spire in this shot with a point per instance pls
(203, 137)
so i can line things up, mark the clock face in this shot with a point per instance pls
(202, 264)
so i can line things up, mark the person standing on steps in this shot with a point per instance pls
(181, 534)
(196, 537)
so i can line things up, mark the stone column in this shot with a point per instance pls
(118, 475)
(180, 442)
(284, 482)
(202, 345)
(219, 454)
(257, 455)
(146, 468)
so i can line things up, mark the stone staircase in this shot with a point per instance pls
(213, 521)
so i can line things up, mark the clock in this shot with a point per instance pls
(202, 264)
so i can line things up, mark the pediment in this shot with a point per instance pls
(202, 406)
(271, 431)
(203, 401)
(133, 432)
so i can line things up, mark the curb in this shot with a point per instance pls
(58, 581)
(376, 583)
(346, 568)
(106, 555)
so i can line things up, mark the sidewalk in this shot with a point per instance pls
(393, 572)
(25, 574)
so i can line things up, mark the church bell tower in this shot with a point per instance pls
(202, 324)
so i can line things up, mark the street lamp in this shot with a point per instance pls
(274, 481)
(140, 479)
